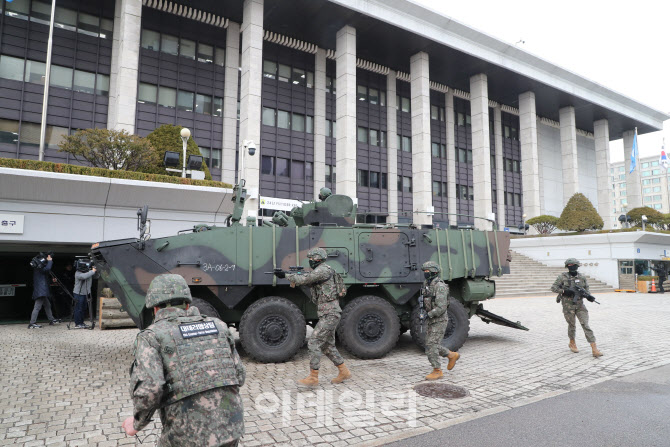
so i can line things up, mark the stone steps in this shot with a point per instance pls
(528, 277)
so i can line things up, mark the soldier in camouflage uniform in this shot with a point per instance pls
(435, 294)
(324, 294)
(562, 286)
(187, 368)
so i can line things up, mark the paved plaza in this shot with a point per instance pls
(70, 388)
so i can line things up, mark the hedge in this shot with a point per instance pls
(63, 168)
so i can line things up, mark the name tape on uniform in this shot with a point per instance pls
(198, 329)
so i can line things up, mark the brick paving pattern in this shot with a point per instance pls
(70, 388)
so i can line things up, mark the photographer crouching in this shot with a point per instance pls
(83, 279)
(41, 265)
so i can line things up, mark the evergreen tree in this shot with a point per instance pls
(579, 215)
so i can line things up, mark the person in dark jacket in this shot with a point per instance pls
(83, 279)
(41, 293)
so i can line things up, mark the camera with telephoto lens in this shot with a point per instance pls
(40, 261)
(83, 264)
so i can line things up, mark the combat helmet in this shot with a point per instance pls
(166, 288)
(432, 267)
(318, 254)
(324, 193)
(571, 261)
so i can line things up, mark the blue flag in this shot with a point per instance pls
(634, 154)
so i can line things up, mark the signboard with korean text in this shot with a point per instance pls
(11, 223)
(274, 203)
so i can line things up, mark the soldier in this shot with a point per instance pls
(563, 286)
(662, 273)
(324, 193)
(435, 295)
(186, 367)
(325, 295)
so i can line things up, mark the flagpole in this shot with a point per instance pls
(47, 76)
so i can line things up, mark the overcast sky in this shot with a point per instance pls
(622, 45)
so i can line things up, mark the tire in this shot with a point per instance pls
(457, 330)
(272, 330)
(205, 308)
(369, 328)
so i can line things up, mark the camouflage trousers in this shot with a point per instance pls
(570, 311)
(322, 341)
(434, 334)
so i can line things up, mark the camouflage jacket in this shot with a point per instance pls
(435, 299)
(565, 280)
(210, 417)
(323, 288)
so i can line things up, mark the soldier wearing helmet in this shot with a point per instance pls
(187, 368)
(565, 287)
(323, 281)
(435, 296)
(324, 193)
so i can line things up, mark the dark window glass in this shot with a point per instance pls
(434, 113)
(384, 180)
(205, 53)
(147, 93)
(284, 73)
(11, 68)
(267, 165)
(298, 169)
(101, 84)
(373, 95)
(268, 116)
(435, 149)
(84, 82)
(185, 101)
(363, 179)
(9, 131)
(374, 179)
(437, 189)
(217, 107)
(203, 104)
(270, 69)
(405, 107)
(283, 119)
(88, 24)
(299, 77)
(382, 138)
(298, 122)
(309, 170)
(374, 137)
(170, 44)
(283, 168)
(362, 92)
(362, 135)
(30, 134)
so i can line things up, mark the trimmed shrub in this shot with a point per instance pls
(63, 168)
(579, 215)
(654, 218)
(544, 224)
(168, 138)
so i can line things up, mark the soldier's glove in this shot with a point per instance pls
(280, 274)
(569, 293)
(591, 298)
(558, 299)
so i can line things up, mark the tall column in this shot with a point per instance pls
(452, 204)
(633, 188)
(540, 173)
(601, 134)
(530, 178)
(345, 105)
(230, 94)
(392, 146)
(569, 153)
(422, 196)
(124, 68)
(481, 149)
(500, 171)
(319, 120)
(250, 98)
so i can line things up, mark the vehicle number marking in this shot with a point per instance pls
(206, 267)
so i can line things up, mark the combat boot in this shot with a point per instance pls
(452, 356)
(573, 346)
(343, 375)
(312, 379)
(436, 374)
(596, 352)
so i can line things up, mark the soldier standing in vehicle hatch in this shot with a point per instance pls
(187, 368)
(325, 295)
(563, 285)
(435, 294)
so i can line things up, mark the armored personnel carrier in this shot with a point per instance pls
(381, 266)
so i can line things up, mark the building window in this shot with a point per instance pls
(11, 68)
(84, 82)
(167, 97)
(656, 172)
(407, 184)
(657, 189)
(309, 170)
(374, 137)
(460, 119)
(373, 94)
(170, 44)
(203, 104)
(404, 104)
(298, 169)
(220, 56)
(283, 119)
(406, 144)
(217, 106)
(363, 179)
(30, 134)
(282, 167)
(384, 180)
(374, 179)
(268, 117)
(646, 173)
(9, 131)
(35, 72)
(298, 122)
(658, 206)
(146, 93)
(362, 93)
(185, 101)
(205, 53)
(284, 73)
(330, 173)
(19, 9)
(267, 165)
(645, 165)
(330, 85)
(362, 135)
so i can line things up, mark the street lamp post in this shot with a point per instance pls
(524, 223)
(185, 135)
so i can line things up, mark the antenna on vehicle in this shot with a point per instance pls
(142, 225)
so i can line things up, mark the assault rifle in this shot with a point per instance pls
(292, 269)
(422, 312)
(579, 292)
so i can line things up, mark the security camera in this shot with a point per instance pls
(644, 218)
(251, 147)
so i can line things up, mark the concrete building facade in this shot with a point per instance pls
(420, 118)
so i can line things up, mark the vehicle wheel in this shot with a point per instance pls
(369, 328)
(272, 329)
(205, 308)
(457, 329)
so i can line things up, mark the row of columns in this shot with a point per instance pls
(125, 59)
